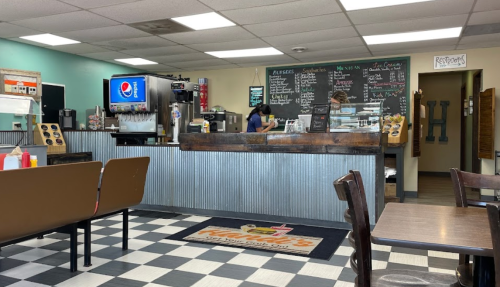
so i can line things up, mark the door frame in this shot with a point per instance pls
(463, 127)
(477, 79)
(41, 98)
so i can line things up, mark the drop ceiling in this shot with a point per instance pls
(324, 27)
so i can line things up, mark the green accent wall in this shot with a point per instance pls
(82, 76)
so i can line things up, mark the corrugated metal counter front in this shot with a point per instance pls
(290, 187)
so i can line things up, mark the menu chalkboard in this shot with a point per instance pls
(293, 90)
(255, 96)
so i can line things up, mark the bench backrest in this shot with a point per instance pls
(33, 200)
(122, 184)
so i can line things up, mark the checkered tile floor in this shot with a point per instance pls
(152, 261)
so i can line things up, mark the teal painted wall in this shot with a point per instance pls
(81, 76)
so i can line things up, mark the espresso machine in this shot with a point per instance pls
(184, 106)
(142, 104)
(67, 119)
(223, 121)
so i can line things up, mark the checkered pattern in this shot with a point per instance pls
(153, 261)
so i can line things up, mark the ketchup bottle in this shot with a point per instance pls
(25, 161)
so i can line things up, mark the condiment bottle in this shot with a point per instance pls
(33, 161)
(25, 159)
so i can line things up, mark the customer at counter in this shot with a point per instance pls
(255, 123)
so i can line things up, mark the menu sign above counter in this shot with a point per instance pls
(294, 90)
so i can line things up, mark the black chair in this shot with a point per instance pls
(350, 187)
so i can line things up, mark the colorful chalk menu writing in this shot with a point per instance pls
(255, 95)
(293, 90)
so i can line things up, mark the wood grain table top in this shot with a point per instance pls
(432, 227)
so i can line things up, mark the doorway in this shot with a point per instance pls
(53, 100)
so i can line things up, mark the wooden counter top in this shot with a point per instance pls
(315, 143)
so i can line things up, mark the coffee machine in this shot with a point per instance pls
(142, 104)
(185, 106)
(223, 122)
(67, 119)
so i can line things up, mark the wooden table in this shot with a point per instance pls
(439, 228)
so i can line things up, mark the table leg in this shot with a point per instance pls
(484, 271)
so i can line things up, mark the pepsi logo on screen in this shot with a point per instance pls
(126, 90)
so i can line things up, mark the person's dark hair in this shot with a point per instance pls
(265, 109)
(341, 97)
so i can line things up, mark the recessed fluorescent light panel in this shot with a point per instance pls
(351, 5)
(136, 61)
(245, 53)
(204, 21)
(413, 36)
(50, 39)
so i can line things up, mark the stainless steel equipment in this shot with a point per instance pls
(226, 122)
(67, 119)
(184, 107)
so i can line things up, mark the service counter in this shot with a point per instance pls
(272, 177)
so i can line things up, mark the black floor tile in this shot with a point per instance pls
(7, 263)
(153, 214)
(55, 259)
(12, 250)
(160, 248)
(151, 236)
(167, 261)
(105, 222)
(302, 281)
(232, 271)
(109, 240)
(58, 246)
(114, 268)
(6, 281)
(147, 227)
(121, 282)
(107, 231)
(111, 253)
(53, 276)
(179, 279)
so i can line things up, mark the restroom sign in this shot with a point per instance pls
(450, 61)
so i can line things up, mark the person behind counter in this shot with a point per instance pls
(255, 122)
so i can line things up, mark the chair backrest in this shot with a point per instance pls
(122, 184)
(38, 199)
(351, 188)
(494, 218)
(462, 180)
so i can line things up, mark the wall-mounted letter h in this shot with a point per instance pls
(433, 122)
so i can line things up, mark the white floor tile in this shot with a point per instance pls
(249, 260)
(27, 284)
(321, 271)
(381, 248)
(200, 266)
(93, 248)
(38, 242)
(130, 225)
(440, 254)
(93, 237)
(96, 262)
(291, 257)
(139, 257)
(154, 285)
(135, 244)
(161, 221)
(33, 254)
(443, 271)
(132, 233)
(229, 249)
(86, 280)
(188, 251)
(409, 259)
(214, 281)
(145, 273)
(173, 242)
(169, 229)
(376, 264)
(270, 277)
(26, 271)
(343, 284)
(96, 227)
(344, 251)
(195, 218)
(118, 217)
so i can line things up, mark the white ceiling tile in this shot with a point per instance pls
(476, 45)
(170, 59)
(337, 58)
(411, 11)
(413, 45)
(270, 63)
(210, 36)
(111, 55)
(334, 52)
(220, 5)
(291, 10)
(487, 17)
(87, 4)
(487, 5)
(135, 43)
(10, 31)
(162, 51)
(480, 38)
(82, 48)
(153, 68)
(104, 34)
(233, 45)
(413, 25)
(16, 10)
(299, 25)
(261, 59)
(79, 20)
(313, 36)
(414, 50)
(324, 45)
(152, 10)
(217, 67)
(200, 64)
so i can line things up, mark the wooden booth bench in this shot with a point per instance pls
(37, 201)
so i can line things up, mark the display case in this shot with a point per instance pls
(361, 117)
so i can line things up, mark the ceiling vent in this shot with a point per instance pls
(160, 27)
(299, 49)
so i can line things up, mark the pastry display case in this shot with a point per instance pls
(356, 117)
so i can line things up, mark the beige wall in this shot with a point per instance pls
(441, 156)
(230, 89)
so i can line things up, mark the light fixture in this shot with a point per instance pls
(351, 5)
(204, 21)
(50, 39)
(413, 36)
(245, 53)
(299, 49)
(136, 61)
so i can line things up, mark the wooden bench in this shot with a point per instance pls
(122, 186)
(37, 201)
